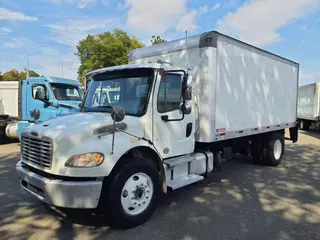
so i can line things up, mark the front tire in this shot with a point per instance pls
(133, 195)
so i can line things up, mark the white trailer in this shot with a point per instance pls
(9, 106)
(309, 106)
(9, 98)
(169, 127)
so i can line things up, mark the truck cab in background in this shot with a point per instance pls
(34, 100)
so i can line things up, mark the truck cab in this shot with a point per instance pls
(42, 99)
(83, 152)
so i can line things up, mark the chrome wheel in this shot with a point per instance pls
(277, 149)
(136, 194)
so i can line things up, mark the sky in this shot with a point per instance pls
(47, 31)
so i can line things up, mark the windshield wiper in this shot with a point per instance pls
(108, 106)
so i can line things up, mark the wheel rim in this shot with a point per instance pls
(277, 150)
(136, 194)
(301, 124)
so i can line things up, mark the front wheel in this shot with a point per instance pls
(133, 194)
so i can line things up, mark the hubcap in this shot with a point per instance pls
(136, 194)
(301, 124)
(277, 150)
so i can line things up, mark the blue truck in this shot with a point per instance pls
(36, 99)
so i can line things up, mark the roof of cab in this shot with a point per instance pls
(132, 66)
(57, 80)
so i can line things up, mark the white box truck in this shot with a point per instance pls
(309, 106)
(168, 128)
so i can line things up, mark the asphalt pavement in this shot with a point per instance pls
(243, 201)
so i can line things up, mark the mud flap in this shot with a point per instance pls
(294, 134)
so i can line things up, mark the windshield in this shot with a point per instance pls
(127, 88)
(66, 92)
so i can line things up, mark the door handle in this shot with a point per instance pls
(165, 118)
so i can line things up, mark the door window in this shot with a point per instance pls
(37, 87)
(169, 97)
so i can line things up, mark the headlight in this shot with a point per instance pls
(85, 160)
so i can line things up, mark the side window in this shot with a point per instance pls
(169, 97)
(71, 92)
(37, 87)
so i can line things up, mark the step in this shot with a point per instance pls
(184, 181)
(179, 160)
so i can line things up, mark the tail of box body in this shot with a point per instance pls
(309, 106)
(240, 90)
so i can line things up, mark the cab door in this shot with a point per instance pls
(42, 110)
(173, 131)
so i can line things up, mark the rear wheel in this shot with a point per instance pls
(133, 194)
(304, 125)
(273, 149)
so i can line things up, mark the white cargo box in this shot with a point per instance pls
(309, 102)
(240, 89)
(9, 98)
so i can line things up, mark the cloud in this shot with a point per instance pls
(258, 21)
(14, 43)
(6, 14)
(78, 3)
(49, 63)
(154, 17)
(71, 32)
(4, 30)
(203, 9)
(187, 22)
(216, 7)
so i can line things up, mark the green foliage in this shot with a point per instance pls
(105, 50)
(15, 75)
(157, 40)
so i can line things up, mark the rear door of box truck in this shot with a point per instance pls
(255, 90)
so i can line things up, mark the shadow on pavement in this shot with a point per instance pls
(244, 201)
(314, 134)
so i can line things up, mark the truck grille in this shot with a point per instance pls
(37, 151)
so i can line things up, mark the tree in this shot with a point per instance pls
(1, 77)
(105, 50)
(15, 75)
(157, 40)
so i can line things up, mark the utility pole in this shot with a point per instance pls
(62, 68)
(27, 69)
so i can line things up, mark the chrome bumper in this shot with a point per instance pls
(68, 194)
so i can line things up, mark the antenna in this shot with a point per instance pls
(187, 63)
(27, 70)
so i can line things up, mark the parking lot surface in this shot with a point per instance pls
(243, 201)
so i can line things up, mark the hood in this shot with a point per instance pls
(81, 126)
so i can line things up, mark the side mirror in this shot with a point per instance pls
(40, 94)
(186, 94)
(118, 113)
